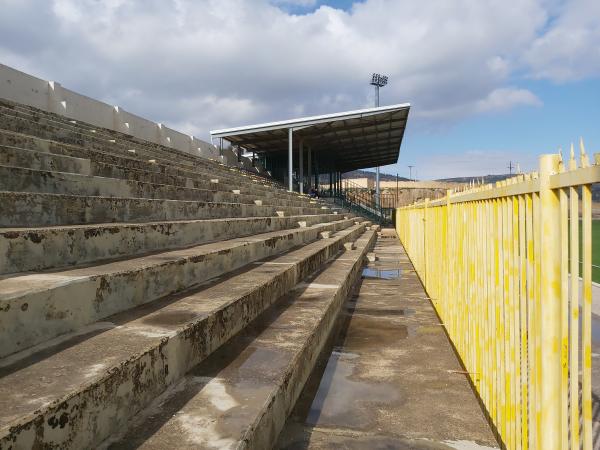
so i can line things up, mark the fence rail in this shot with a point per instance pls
(364, 201)
(501, 266)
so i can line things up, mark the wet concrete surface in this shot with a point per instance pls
(384, 381)
(384, 274)
(241, 394)
(596, 380)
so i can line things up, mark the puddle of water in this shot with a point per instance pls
(384, 274)
(339, 351)
(369, 334)
(342, 398)
(381, 312)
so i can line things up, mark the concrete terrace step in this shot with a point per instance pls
(26, 249)
(42, 124)
(93, 133)
(30, 209)
(35, 307)
(16, 179)
(240, 397)
(32, 159)
(125, 159)
(75, 393)
(126, 167)
(194, 180)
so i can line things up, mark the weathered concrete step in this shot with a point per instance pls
(32, 159)
(65, 127)
(28, 249)
(193, 179)
(58, 129)
(100, 136)
(35, 307)
(240, 397)
(46, 161)
(17, 179)
(124, 140)
(29, 209)
(126, 167)
(75, 392)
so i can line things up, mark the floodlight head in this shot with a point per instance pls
(379, 80)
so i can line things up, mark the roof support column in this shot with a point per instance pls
(300, 167)
(290, 160)
(316, 174)
(377, 187)
(309, 163)
(335, 185)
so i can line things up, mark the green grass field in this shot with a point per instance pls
(596, 250)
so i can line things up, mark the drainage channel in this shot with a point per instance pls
(385, 380)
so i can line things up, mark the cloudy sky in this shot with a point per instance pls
(489, 81)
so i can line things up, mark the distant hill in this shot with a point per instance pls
(494, 178)
(387, 177)
(485, 178)
(371, 175)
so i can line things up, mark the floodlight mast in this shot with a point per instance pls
(378, 81)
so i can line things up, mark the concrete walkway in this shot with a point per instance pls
(388, 383)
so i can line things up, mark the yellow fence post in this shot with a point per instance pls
(586, 325)
(550, 304)
(574, 300)
(495, 261)
(425, 243)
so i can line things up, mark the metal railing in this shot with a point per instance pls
(363, 201)
(500, 264)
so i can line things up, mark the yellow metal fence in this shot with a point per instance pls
(500, 264)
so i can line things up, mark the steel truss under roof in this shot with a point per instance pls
(340, 142)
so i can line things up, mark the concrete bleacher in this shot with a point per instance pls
(125, 264)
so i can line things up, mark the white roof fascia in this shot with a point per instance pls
(308, 121)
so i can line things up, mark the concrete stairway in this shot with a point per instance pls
(125, 264)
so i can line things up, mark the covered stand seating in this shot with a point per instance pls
(327, 144)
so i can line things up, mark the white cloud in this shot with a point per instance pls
(67, 11)
(213, 63)
(570, 48)
(303, 3)
(505, 98)
(500, 99)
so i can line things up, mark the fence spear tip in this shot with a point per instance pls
(572, 161)
(585, 162)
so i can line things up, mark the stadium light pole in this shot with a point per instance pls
(290, 160)
(378, 81)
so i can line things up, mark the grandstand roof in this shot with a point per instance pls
(341, 141)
